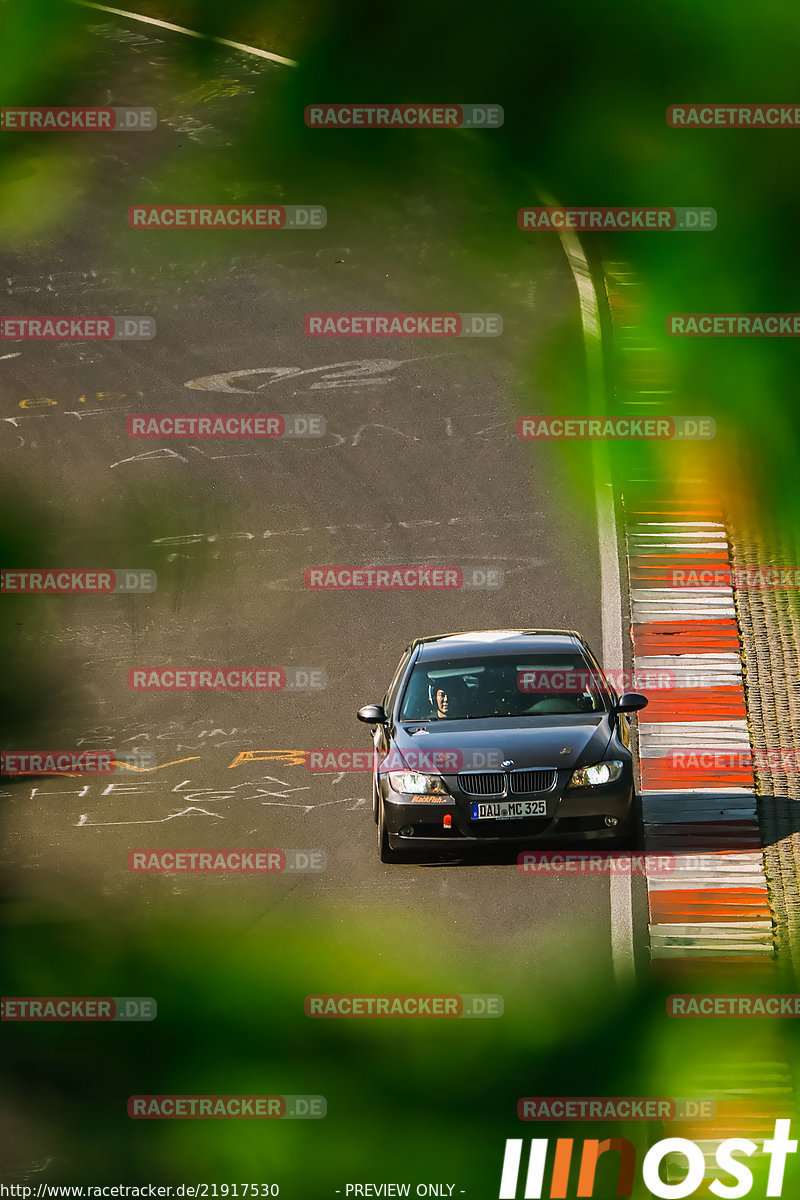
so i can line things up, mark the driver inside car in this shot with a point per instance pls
(447, 699)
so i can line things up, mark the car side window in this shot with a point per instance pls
(391, 692)
(612, 691)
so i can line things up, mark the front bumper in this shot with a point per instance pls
(572, 815)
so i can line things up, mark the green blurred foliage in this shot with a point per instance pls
(408, 1099)
(585, 96)
(585, 91)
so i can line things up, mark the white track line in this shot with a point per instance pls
(620, 887)
(205, 37)
(610, 586)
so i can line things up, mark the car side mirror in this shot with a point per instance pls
(631, 702)
(375, 714)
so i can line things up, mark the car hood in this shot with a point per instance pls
(554, 741)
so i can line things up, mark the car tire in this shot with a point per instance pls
(385, 851)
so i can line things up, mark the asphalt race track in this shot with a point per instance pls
(419, 464)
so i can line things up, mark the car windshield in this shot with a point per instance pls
(502, 686)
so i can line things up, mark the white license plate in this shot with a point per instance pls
(509, 809)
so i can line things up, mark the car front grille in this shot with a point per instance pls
(483, 783)
(523, 782)
(493, 783)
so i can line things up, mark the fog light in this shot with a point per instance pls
(407, 831)
(612, 821)
(447, 821)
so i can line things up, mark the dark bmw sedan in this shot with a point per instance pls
(498, 737)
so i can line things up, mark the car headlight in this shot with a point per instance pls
(418, 785)
(604, 772)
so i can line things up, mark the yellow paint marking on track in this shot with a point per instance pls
(129, 767)
(293, 758)
(160, 767)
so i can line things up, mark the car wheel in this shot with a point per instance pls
(385, 851)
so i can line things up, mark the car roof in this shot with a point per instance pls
(498, 641)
